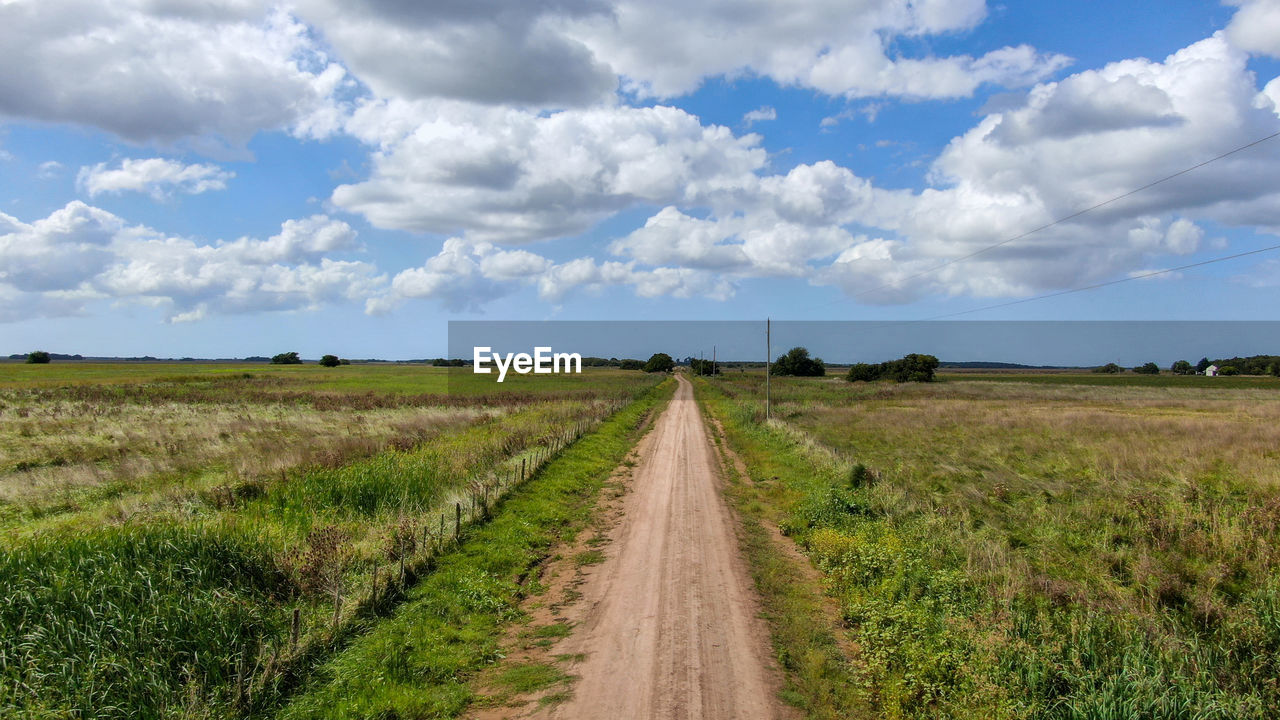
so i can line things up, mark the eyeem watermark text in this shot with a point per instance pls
(541, 362)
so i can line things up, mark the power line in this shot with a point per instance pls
(1095, 286)
(1060, 220)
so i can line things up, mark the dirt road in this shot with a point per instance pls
(668, 622)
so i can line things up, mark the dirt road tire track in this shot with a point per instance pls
(669, 623)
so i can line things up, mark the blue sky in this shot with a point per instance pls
(243, 178)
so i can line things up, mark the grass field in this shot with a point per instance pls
(1030, 546)
(190, 540)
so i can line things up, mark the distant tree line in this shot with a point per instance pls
(910, 368)
(1252, 365)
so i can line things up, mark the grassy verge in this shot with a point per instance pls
(212, 592)
(1026, 553)
(818, 678)
(417, 662)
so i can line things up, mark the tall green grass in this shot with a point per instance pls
(417, 664)
(983, 570)
(180, 603)
(132, 621)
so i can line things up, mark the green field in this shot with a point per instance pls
(1063, 546)
(162, 523)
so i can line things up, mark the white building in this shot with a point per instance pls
(1211, 371)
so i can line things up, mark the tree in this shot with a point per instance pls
(39, 357)
(1204, 363)
(1182, 367)
(863, 372)
(630, 364)
(909, 368)
(913, 368)
(330, 361)
(796, 361)
(289, 358)
(1147, 369)
(660, 362)
(1109, 369)
(1228, 370)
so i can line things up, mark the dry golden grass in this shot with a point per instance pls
(50, 448)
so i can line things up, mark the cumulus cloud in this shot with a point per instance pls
(1255, 27)
(485, 51)
(666, 48)
(161, 70)
(465, 275)
(158, 177)
(512, 176)
(81, 253)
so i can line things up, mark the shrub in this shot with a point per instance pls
(1109, 369)
(1148, 369)
(1228, 370)
(797, 362)
(659, 362)
(1182, 367)
(288, 358)
(330, 361)
(39, 357)
(913, 368)
(910, 368)
(863, 372)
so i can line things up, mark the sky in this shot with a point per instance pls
(223, 179)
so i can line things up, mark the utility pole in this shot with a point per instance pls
(768, 353)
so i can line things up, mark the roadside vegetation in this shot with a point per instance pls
(188, 541)
(1038, 548)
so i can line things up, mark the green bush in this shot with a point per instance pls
(288, 358)
(910, 368)
(39, 357)
(797, 362)
(1149, 369)
(864, 372)
(330, 361)
(659, 362)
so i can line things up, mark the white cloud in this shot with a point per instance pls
(485, 51)
(465, 275)
(760, 114)
(1255, 27)
(48, 170)
(163, 71)
(667, 48)
(58, 252)
(511, 176)
(82, 253)
(158, 177)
